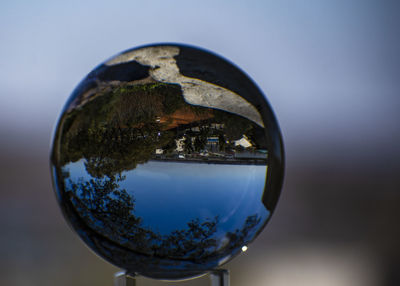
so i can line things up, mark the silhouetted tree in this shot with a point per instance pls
(110, 211)
(104, 207)
(237, 238)
(221, 142)
(187, 144)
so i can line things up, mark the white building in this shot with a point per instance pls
(179, 144)
(244, 142)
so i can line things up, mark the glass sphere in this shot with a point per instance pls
(167, 161)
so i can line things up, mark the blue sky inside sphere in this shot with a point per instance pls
(168, 195)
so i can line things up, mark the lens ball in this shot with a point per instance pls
(167, 161)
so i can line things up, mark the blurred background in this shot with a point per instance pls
(330, 70)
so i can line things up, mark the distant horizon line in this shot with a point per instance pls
(259, 162)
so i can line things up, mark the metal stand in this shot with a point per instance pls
(122, 279)
(218, 277)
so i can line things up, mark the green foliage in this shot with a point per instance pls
(221, 141)
(187, 144)
(117, 129)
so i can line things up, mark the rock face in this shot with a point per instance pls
(167, 161)
(164, 68)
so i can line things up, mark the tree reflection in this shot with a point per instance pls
(123, 126)
(118, 129)
(103, 206)
(110, 211)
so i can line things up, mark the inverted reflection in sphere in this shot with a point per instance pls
(167, 161)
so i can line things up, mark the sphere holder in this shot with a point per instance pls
(218, 277)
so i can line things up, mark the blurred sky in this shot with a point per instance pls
(329, 68)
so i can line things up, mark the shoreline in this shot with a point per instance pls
(213, 161)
